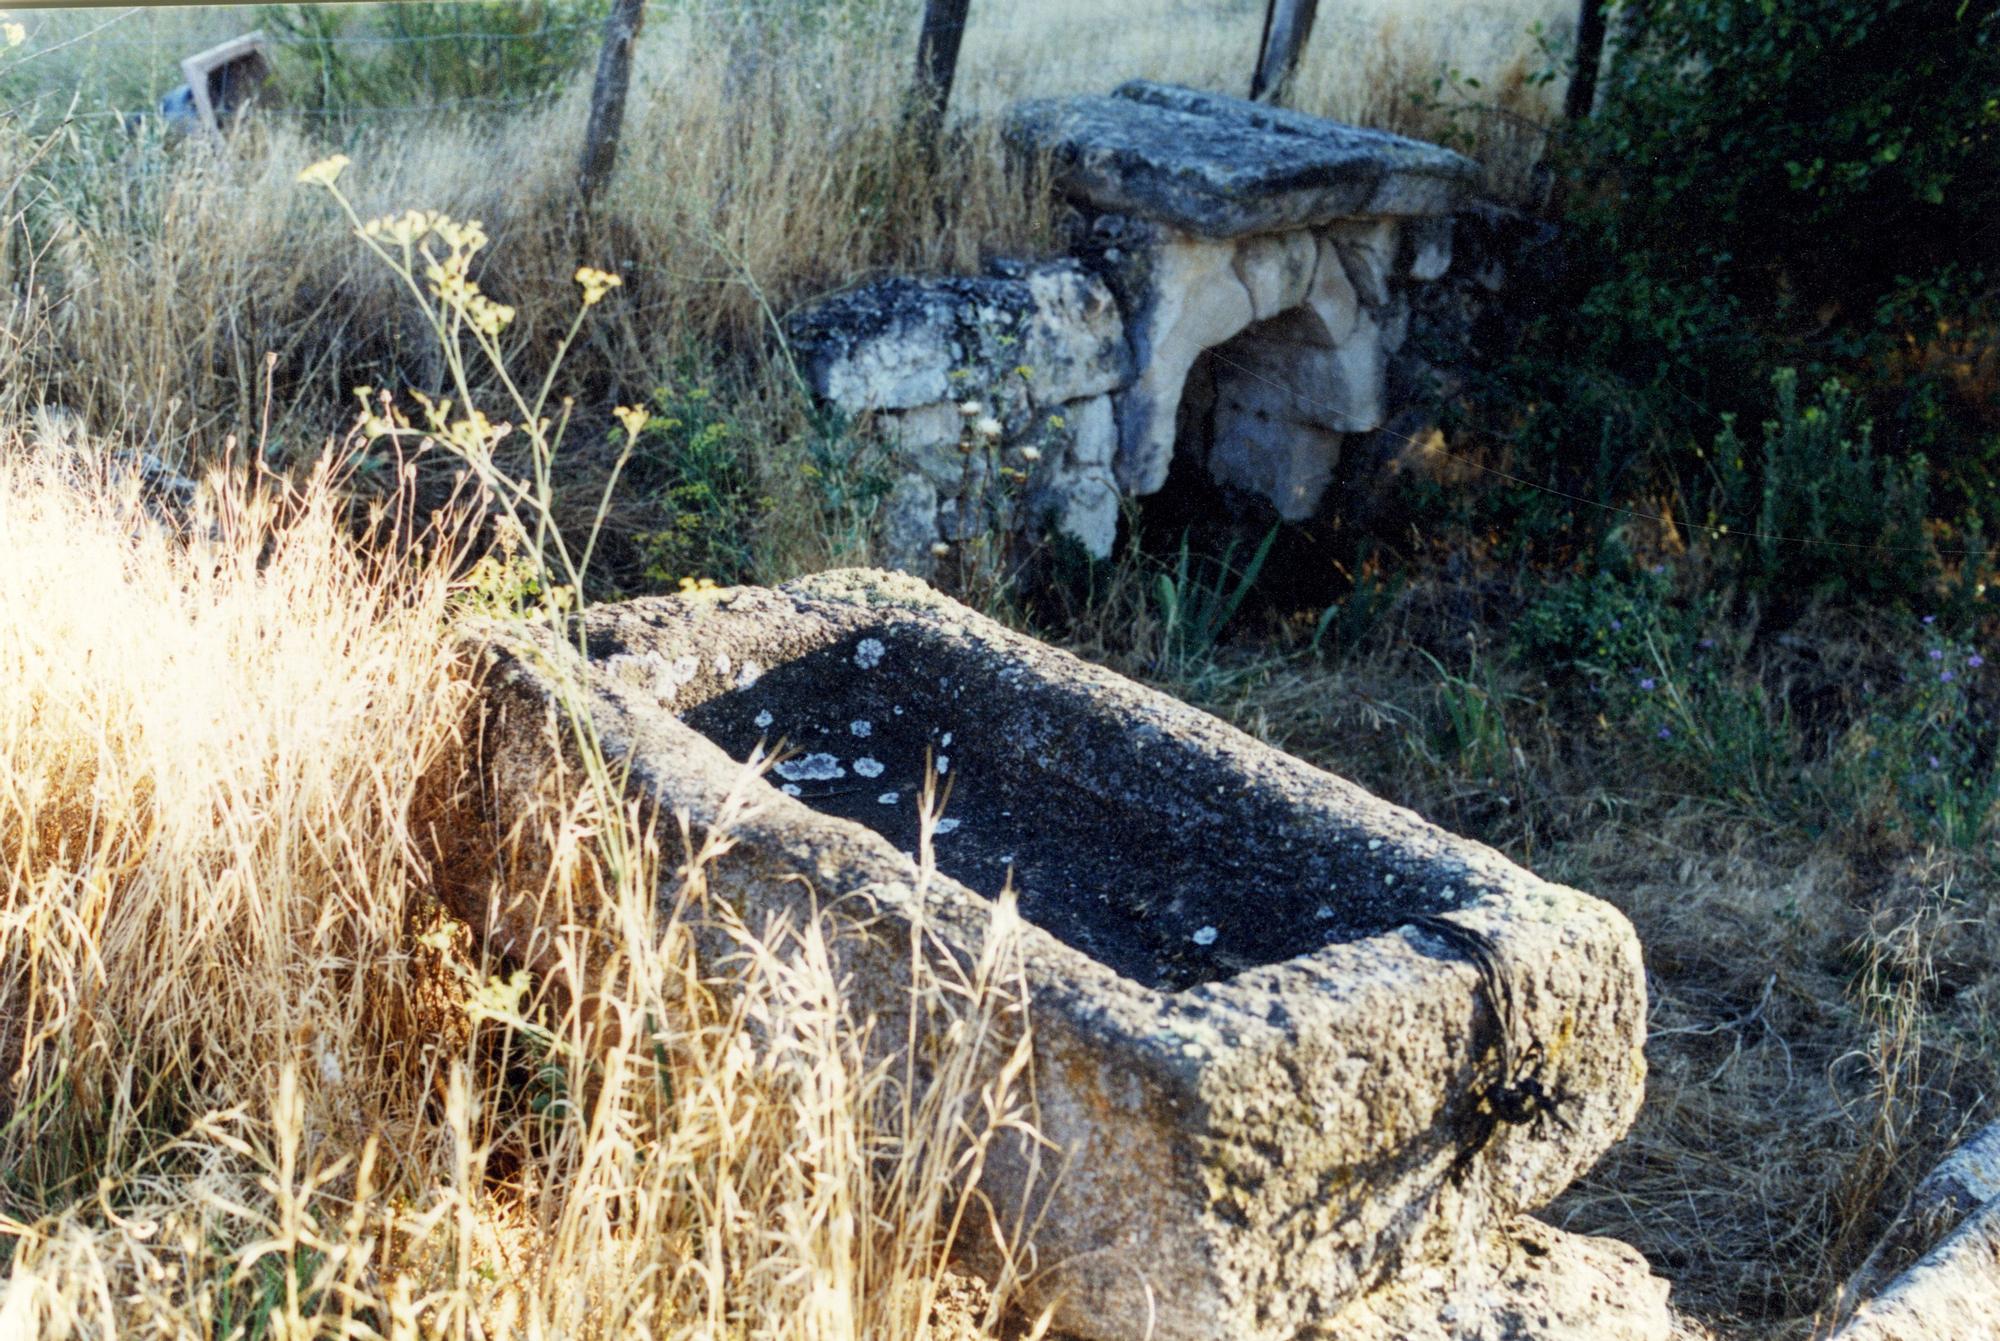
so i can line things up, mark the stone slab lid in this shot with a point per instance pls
(1223, 167)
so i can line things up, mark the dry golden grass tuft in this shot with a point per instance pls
(257, 1083)
(167, 272)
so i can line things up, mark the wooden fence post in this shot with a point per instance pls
(1582, 94)
(1287, 25)
(937, 59)
(607, 96)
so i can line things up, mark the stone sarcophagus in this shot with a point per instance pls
(1307, 1058)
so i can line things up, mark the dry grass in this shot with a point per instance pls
(719, 219)
(257, 1083)
(161, 276)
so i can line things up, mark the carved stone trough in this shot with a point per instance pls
(1268, 1086)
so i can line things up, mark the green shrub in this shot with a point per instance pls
(1605, 632)
(1471, 729)
(848, 474)
(1831, 516)
(1196, 597)
(1344, 624)
(1931, 741)
(337, 58)
(1813, 148)
(1765, 186)
(1664, 675)
(692, 467)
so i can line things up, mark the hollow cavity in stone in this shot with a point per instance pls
(1096, 859)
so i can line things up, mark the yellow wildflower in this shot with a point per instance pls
(324, 172)
(451, 282)
(402, 229)
(633, 417)
(596, 283)
(14, 33)
(499, 998)
(466, 237)
(486, 316)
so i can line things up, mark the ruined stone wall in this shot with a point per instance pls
(1240, 289)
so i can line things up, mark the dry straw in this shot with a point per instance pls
(256, 1083)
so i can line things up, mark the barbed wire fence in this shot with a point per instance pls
(1232, 33)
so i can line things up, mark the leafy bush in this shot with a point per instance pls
(1607, 631)
(1832, 517)
(1930, 744)
(849, 476)
(1665, 675)
(337, 58)
(692, 462)
(1471, 730)
(1770, 193)
(1815, 147)
(1196, 598)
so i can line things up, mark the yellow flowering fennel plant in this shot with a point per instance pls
(433, 254)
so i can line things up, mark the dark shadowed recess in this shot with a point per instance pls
(1121, 846)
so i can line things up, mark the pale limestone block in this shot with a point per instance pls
(1196, 303)
(1367, 249)
(1276, 269)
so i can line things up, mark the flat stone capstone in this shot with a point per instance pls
(1222, 167)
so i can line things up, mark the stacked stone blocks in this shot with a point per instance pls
(1281, 248)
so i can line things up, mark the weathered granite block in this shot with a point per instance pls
(1296, 315)
(1275, 1094)
(1209, 228)
(1078, 492)
(1952, 1291)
